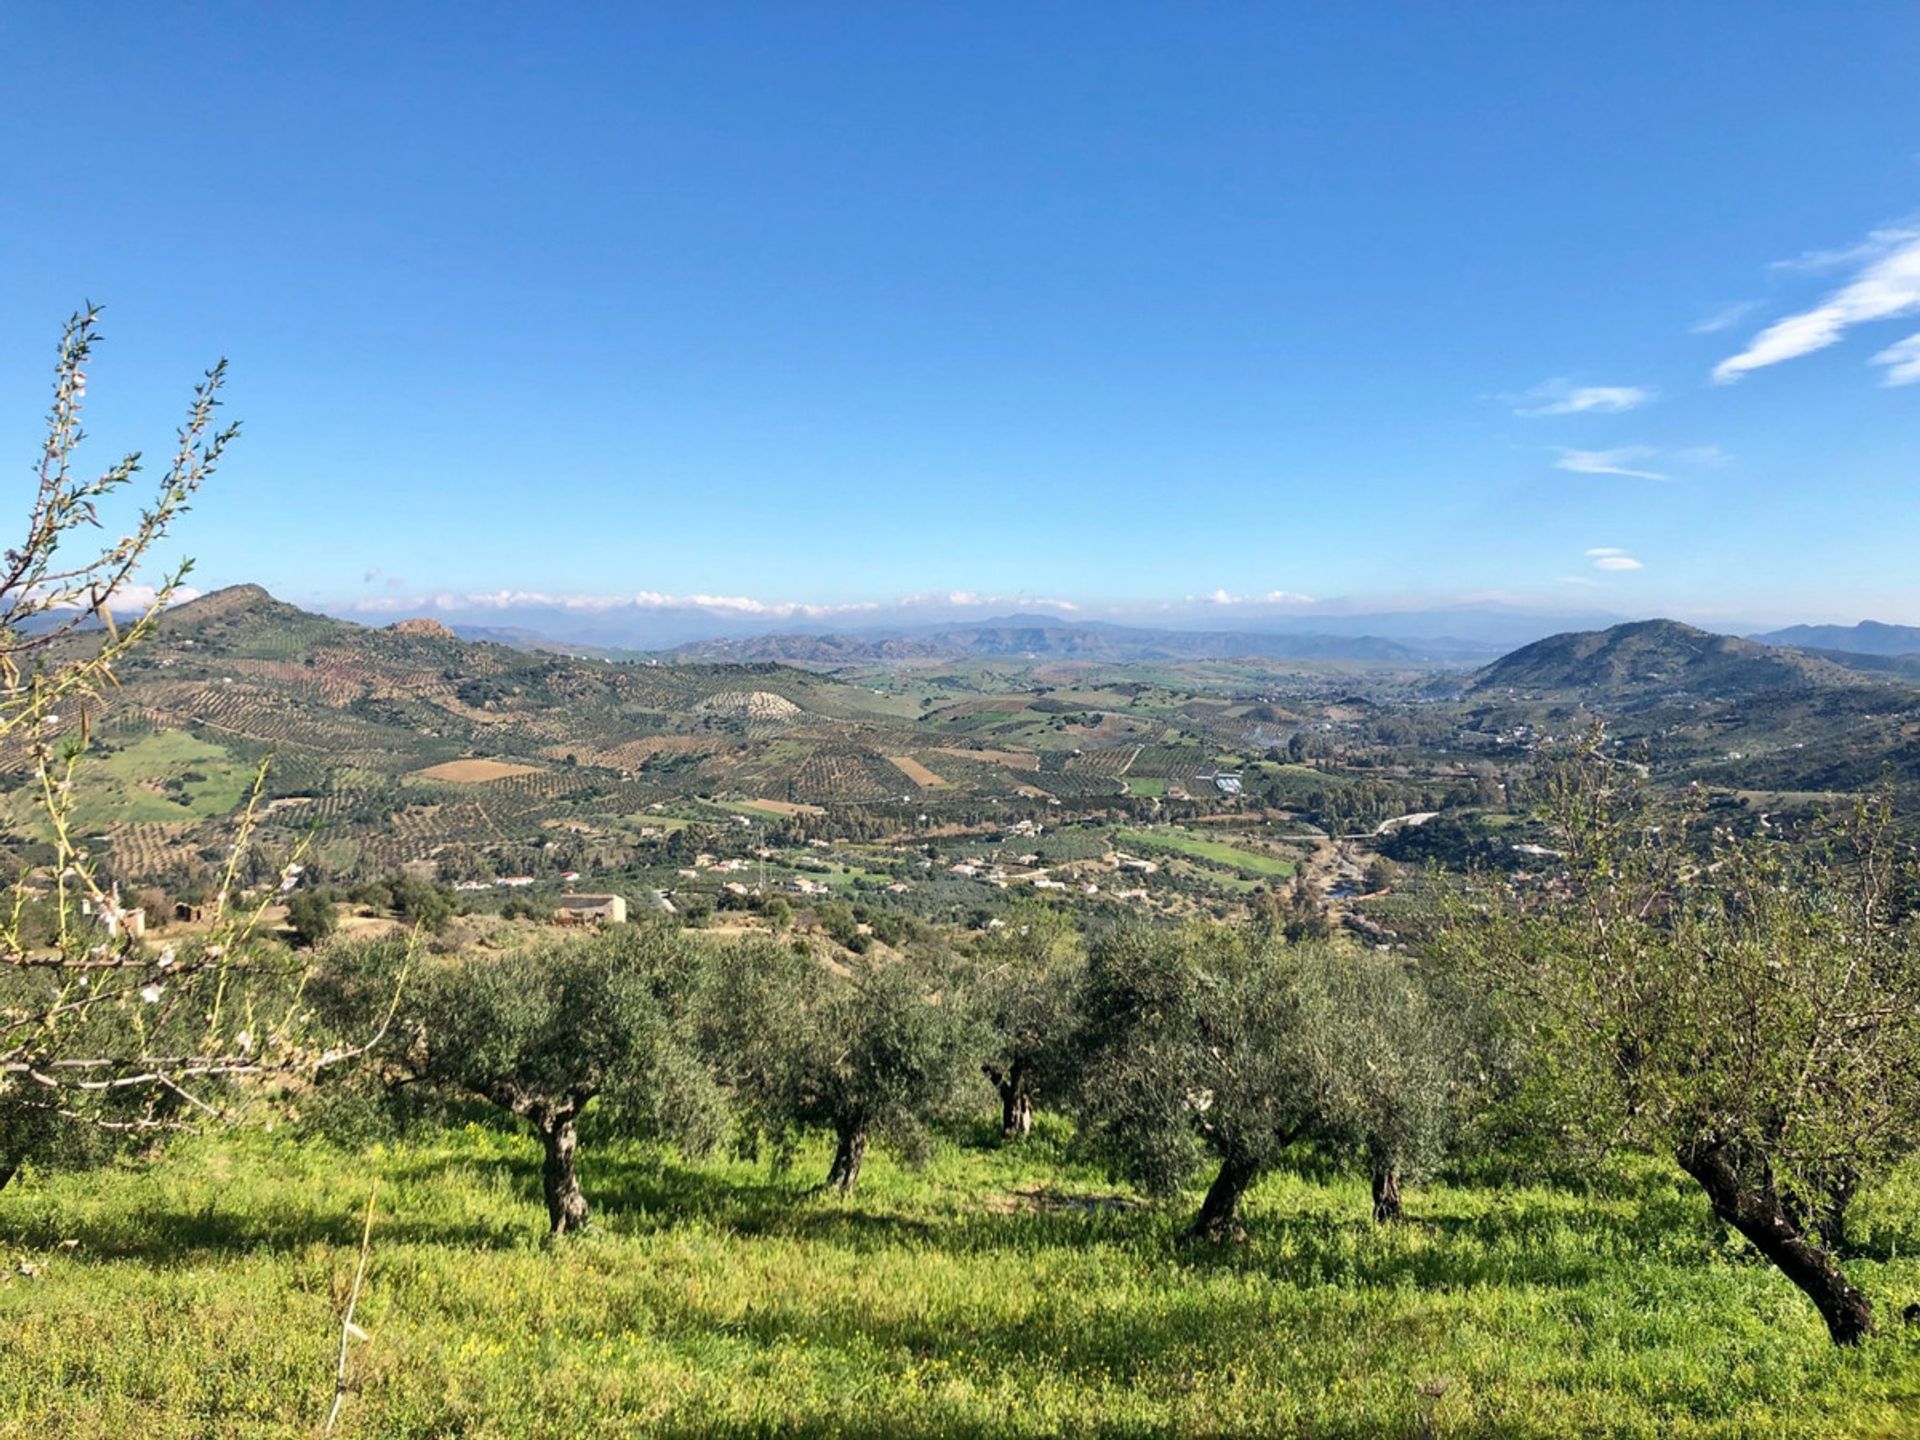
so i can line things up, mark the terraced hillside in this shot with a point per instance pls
(388, 745)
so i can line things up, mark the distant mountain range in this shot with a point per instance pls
(1043, 637)
(652, 625)
(1869, 637)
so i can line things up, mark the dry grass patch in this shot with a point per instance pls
(785, 807)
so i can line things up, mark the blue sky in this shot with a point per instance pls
(837, 304)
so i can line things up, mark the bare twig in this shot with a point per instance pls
(348, 1330)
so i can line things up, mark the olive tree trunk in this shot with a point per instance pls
(1219, 1217)
(1756, 1212)
(848, 1156)
(559, 1180)
(553, 1121)
(1016, 1101)
(1387, 1208)
(1016, 1115)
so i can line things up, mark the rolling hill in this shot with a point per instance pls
(408, 742)
(1650, 661)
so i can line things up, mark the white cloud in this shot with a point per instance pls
(1886, 285)
(1620, 461)
(128, 599)
(1902, 360)
(1612, 558)
(1723, 318)
(452, 602)
(1271, 597)
(1559, 397)
(967, 599)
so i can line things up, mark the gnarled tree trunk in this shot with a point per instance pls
(553, 1121)
(848, 1156)
(1756, 1212)
(1016, 1116)
(1219, 1217)
(566, 1202)
(1016, 1101)
(1386, 1195)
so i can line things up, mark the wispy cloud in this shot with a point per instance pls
(1700, 455)
(1725, 317)
(1612, 558)
(1877, 243)
(1562, 397)
(1885, 285)
(1619, 461)
(1633, 460)
(1902, 360)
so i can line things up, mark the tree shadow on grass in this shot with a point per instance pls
(162, 1237)
(1557, 1247)
(1539, 1245)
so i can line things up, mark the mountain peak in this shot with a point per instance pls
(229, 600)
(244, 594)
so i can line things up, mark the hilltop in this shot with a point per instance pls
(1648, 661)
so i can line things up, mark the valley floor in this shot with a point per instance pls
(990, 1294)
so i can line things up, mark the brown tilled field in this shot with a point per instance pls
(471, 772)
(1015, 759)
(915, 771)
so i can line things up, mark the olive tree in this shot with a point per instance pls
(1388, 1058)
(1748, 1006)
(1193, 1041)
(875, 1053)
(1024, 987)
(545, 1031)
(1234, 1044)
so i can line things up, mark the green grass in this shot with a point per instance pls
(124, 785)
(1149, 785)
(991, 1294)
(1214, 852)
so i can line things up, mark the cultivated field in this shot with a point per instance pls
(1214, 852)
(916, 772)
(472, 772)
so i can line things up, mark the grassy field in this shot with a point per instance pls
(1214, 852)
(126, 785)
(990, 1294)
